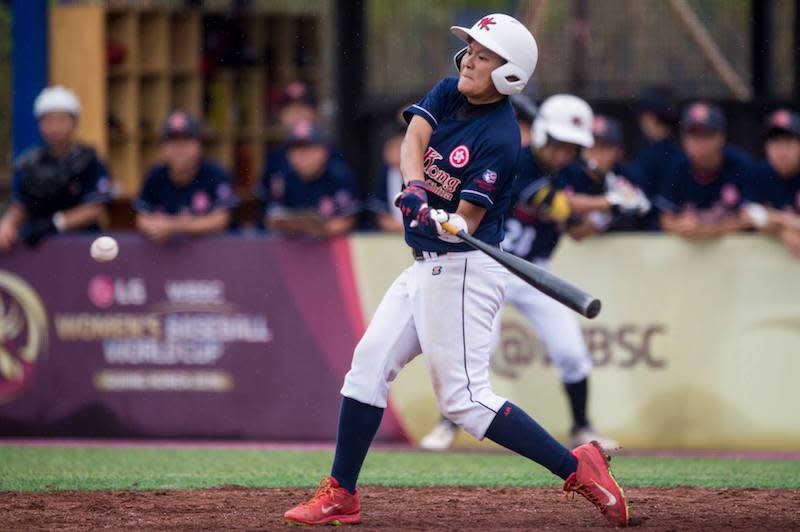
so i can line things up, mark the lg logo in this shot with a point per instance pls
(104, 291)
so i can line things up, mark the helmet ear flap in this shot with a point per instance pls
(458, 57)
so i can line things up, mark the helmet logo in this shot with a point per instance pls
(577, 121)
(459, 157)
(485, 22)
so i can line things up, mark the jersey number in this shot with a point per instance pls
(519, 238)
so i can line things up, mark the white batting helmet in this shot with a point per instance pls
(56, 98)
(511, 40)
(565, 118)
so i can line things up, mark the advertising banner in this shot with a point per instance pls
(697, 345)
(214, 338)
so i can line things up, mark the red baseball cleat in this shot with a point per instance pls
(594, 481)
(331, 505)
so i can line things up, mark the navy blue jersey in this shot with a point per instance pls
(653, 163)
(209, 190)
(45, 185)
(772, 190)
(683, 189)
(471, 156)
(332, 194)
(527, 235)
(387, 187)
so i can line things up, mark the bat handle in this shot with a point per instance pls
(450, 228)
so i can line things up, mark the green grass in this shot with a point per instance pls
(53, 468)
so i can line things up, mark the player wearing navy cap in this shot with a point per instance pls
(187, 195)
(457, 159)
(312, 193)
(702, 193)
(773, 194)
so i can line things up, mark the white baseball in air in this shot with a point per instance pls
(104, 249)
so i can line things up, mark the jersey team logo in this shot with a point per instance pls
(490, 176)
(23, 334)
(459, 157)
(730, 195)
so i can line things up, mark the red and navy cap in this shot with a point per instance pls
(306, 134)
(703, 116)
(608, 130)
(782, 122)
(181, 125)
(297, 92)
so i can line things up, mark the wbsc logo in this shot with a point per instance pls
(23, 334)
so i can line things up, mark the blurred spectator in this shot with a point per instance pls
(61, 186)
(388, 185)
(658, 116)
(702, 192)
(312, 194)
(773, 194)
(602, 174)
(187, 194)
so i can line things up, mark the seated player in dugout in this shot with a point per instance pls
(296, 104)
(388, 217)
(312, 194)
(772, 196)
(658, 120)
(701, 194)
(60, 186)
(603, 183)
(187, 194)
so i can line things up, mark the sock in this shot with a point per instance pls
(515, 430)
(358, 423)
(578, 393)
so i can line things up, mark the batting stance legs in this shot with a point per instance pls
(443, 307)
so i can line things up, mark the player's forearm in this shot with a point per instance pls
(339, 225)
(82, 216)
(582, 230)
(412, 150)
(212, 222)
(472, 214)
(584, 204)
(14, 217)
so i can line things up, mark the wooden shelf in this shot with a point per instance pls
(131, 65)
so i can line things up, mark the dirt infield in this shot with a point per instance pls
(401, 509)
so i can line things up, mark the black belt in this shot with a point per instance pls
(420, 255)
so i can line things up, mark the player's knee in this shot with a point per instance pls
(573, 365)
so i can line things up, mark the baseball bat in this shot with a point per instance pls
(569, 295)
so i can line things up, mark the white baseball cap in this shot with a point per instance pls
(511, 40)
(56, 98)
(565, 118)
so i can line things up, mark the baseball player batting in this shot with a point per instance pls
(538, 216)
(457, 160)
